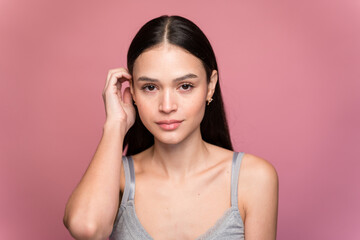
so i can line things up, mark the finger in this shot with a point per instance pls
(117, 77)
(111, 71)
(127, 96)
(125, 73)
(118, 91)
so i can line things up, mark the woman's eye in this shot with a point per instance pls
(149, 88)
(186, 86)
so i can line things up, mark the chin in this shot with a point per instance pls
(170, 139)
(173, 138)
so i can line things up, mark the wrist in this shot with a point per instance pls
(115, 127)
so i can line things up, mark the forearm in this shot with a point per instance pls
(93, 205)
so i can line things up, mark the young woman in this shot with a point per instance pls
(181, 178)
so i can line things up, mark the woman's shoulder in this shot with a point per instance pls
(258, 167)
(258, 191)
(253, 166)
(258, 178)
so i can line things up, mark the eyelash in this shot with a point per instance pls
(190, 86)
(147, 85)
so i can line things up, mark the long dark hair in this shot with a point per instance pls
(181, 32)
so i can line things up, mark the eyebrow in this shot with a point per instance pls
(189, 75)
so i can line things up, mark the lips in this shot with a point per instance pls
(169, 124)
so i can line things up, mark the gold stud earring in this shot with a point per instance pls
(209, 101)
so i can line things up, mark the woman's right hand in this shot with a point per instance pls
(118, 108)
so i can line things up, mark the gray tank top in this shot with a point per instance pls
(127, 226)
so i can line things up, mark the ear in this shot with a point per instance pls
(212, 84)
(132, 89)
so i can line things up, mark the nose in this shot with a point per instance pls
(167, 102)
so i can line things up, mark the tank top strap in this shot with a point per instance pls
(235, 169)
(129, 190)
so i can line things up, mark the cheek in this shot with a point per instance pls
(194, 108)
(147, 112)
(145, 109)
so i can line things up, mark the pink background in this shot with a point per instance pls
(290, 77)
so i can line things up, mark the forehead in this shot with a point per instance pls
(167, 60)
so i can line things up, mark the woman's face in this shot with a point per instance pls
(170, 91)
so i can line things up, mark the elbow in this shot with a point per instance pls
(87, 230)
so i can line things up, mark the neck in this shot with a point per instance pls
(177, 161)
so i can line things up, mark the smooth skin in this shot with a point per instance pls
(182, 182)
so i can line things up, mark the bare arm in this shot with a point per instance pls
(262, 200)
(92, 207)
